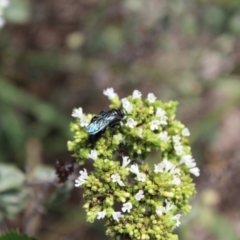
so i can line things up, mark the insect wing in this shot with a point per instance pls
(99, 124)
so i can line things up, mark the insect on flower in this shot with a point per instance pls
(105, 119)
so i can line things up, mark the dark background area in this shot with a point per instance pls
(56, 55)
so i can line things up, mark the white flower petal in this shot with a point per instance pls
(155, 125)
(101, 215)
(131, 123)
(134, 169)
(177, 218)
(127, 105)
(185, 132)
(151, 97)
(109, 92)
(126, 161)
(117, 215)
(136, 94)
(141, 177)
(139, 195)
(127, 207)
(164, 136)
(195, 171)
(93, 154)
(77, 113)
(176, 181)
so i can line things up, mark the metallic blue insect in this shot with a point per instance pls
(99, 123)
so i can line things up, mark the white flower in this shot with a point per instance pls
(139, 195)
(179, 149)
(162, 115)
(4, 3)
(82, 178)
(176, 139)
(127, 207)
(195, 171)
(77, 113)
(126, 161)
(164, 136)
(117, 215)
(136, 94)
(119, 137)
(84, 121)
(169, 206)
(163, 120)
(127, 105)
(188, 161)
(185, 132)
(141, 177)
(109, 92)
(176, 218)
(151, 97)
(116, 178)
(93, 154)
(176, 181)
(155, 125)
(134, 169)
(131, 123)
(160, 210)
(167, 166)
(101, 215)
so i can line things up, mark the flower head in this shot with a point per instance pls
(139, 195)
(177, 218)
(117, 215)
(164, 136)
(185, 132)
(82, 178)
(126, 161)
(151, 97)
(109, 92)
(101, 215)
(155, 125)
(134, 169)
(141, 177)
(127, 207)
(116, 178)
(131, 123)
(127, 105)
(77, 113)
(93, 154)
(136, 94)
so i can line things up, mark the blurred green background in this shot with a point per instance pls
(59, 54)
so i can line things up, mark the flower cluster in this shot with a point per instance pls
(136, 200)
(3, 5)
